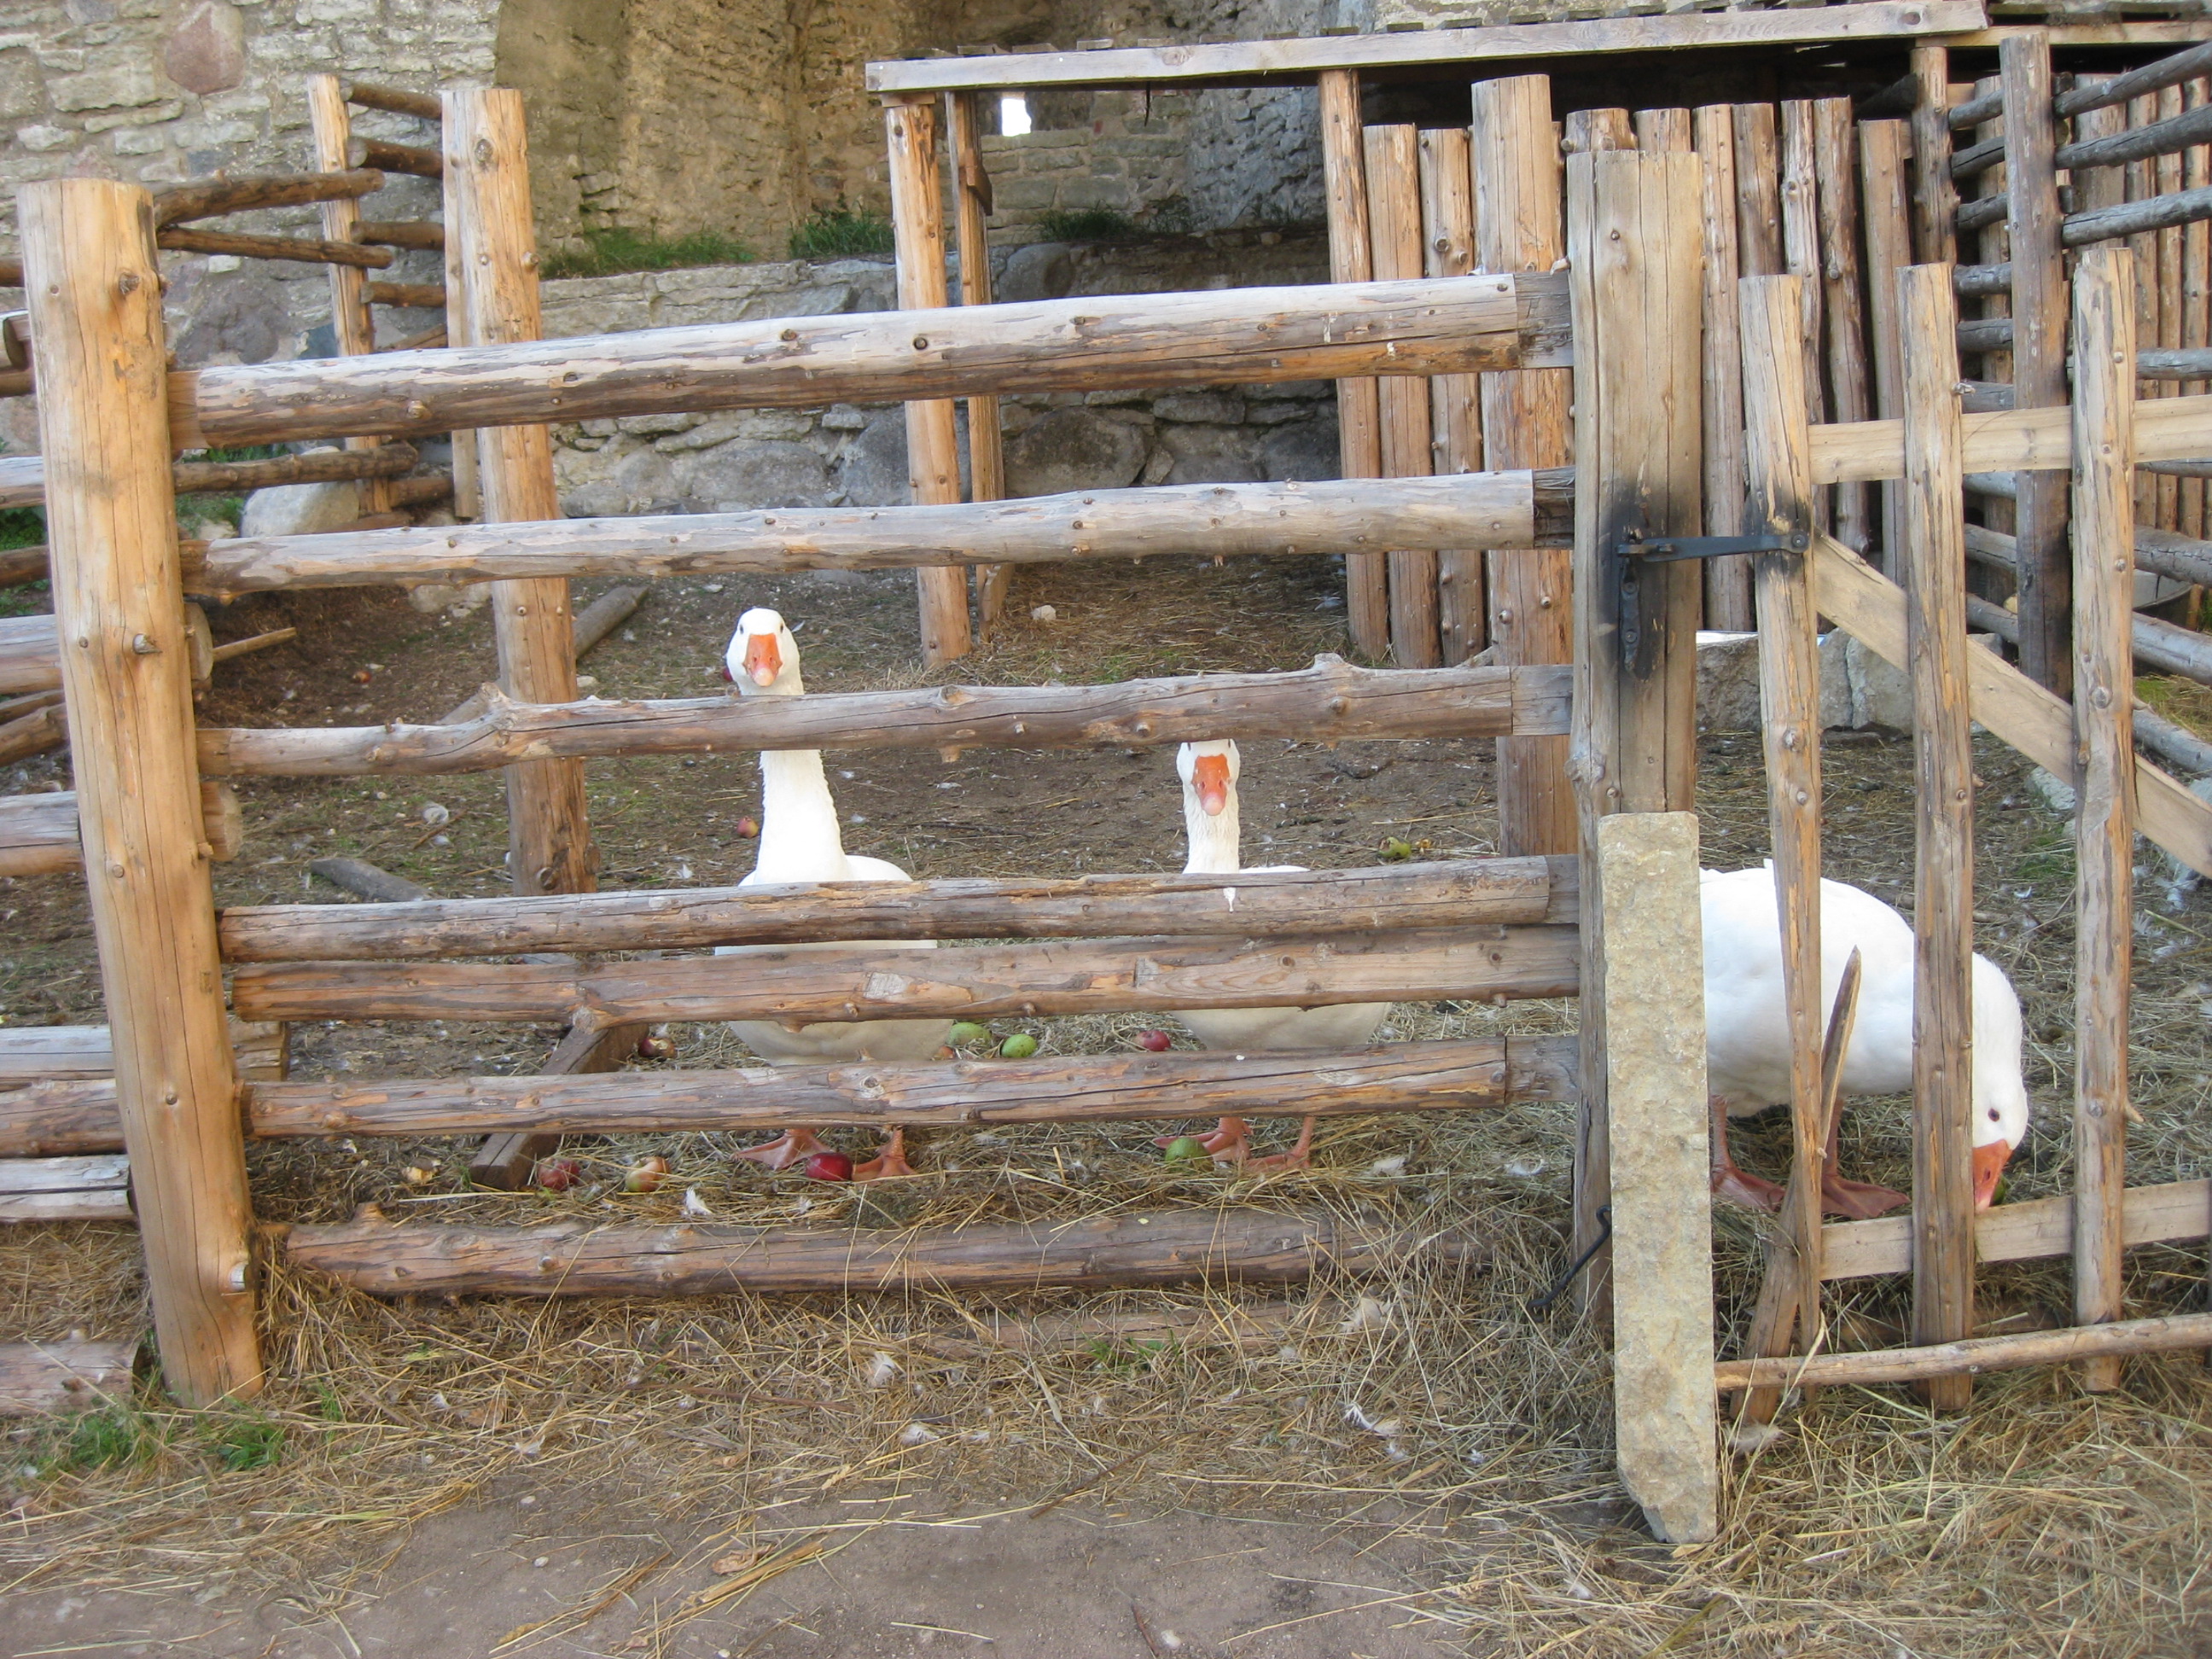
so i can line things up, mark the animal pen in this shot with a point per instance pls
(1687, 387)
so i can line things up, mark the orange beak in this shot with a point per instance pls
(1989, 1164)
(1209, 776)
(763, 662)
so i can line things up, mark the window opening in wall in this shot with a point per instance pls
(1014, 113)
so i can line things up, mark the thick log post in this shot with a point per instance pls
(1835, 167)
(1524, 423)
(488, 221)
(1454, 400)
(1634, 245)
(1394, 226)
(95, 289)
(933, 436)
(1727, 580)
(1943, 884)
(971, 212)
(1359, 403)
(350, 322)
(1884, 151)
(1935, 198)
(2104, 683)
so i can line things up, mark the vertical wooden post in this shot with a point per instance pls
(2104, 716)
(2196, 292)
(95, 291)
(488, 214)
(1884, 149)
(332, 130)
(1637, 297)
(2167, 172)
(971, 211)
(2138, 184)
(1659, 131)
(1758, 191)
(1394, 226)
(1991, 246)
(1663, 1407)
(1454, 400)
(1778, 442)
(933, 436)
(1525, 424)
(468, 482)
(1943, 886)
(2039, 351)
(1588, 130)
(1935, 201)
(1835, 168)
(1359, 403)
(1801, 252)
(1727, 580)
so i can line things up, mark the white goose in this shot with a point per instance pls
(1747, 1039)
(1213, 832)
(799, 842)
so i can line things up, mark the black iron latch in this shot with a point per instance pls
(1709, 547)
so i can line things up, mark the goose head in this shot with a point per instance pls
(2001, 1103)
(762, 657)
(1209, 772)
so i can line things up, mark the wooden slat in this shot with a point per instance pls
(40, 834)
(2011, 440)
(2034, 1230)
(29, 1052)
(95, 1189)
(1454, 325)
(1759, 189)
(302, 249)
(2151, 77)
(351, 324)
(1956, 1362)
(971, 207)
(1800, 258)
(1359, 402)
(1936, 203)
(213, 198)
(1843, 305)
(1448, 249)
(1885, 150)
(1394, 231)
(66, 1375)
(1727, 580)
(421, 104)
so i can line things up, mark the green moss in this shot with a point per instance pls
(1087, 225)
(22, 526)
(842, 232)
(613, 251)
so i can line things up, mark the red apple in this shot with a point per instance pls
(829, 1166)
(557, 1175)
(1155, 1041)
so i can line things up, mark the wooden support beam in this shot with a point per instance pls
(2032, 1230)
(317, 466)
(971, 209)
(1395, 1076)
(1393, 230)
(1458, 324)
(1261, 904)
(213, 198)
(29, 1052)
(1884, 155)
(1759, 190)
(33, 734)
(933, 442)
(1958, 1363)
(1448, 247)
(549, 848)
(1943, 873)
(350, 323)
(82, 1188)
(42, 834)
(1800, 258)
(1359, 402)
(37, 1379)
(382, 153)
(508, 1157)
(1518, 225)
(2185, 65)
(300, 250)
(968, 982)
(423, 106)
(1850, 375)
(1727, 580)
(1935, 199)
(1326, 703)
(93, 283)
(2104, 822)
(1655, 1089)
(2012, 440)
(407, 296)
(2193, 126)
(401, 233)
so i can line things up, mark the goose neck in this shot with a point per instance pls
(799, 815)
(1215, 840)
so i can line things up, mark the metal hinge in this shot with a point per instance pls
(1709, 547)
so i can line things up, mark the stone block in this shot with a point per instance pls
(1043, 270)
(872, 471)
(19, 86)
(743, 473)
(107, 120)
(1073, 449)
(1211, 454)
(1303, 453)
(1019, 195)
(139, 140)
(206, 52)
(122, 86)
(656, 425)
(619, 480)
(1275, 414)
(299, 509)
(846, 417)
(41, 139)
(1199, 408)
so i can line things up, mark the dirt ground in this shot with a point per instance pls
(1423, 1437)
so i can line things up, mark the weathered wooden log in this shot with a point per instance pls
(591, 625)
(1243, 1246)
(1215, 521)
(39, 833)
(59, 1117)
(420, 234)
(423, 491)
(17, 382)
(71, 1052)
(30, 660)
(410, 296)
(394, 101)
(1455, 325)
(2172, 71)
(364, 880)
(212, 198)
(79, 1189)
(1397, 1077)
(67, 1376)
(1260, 904)
(19, 565)
(2011, 440)
(33, 733)
(382, 153)
(971, 981)
(1972, 1357)
(255, 642)
(1326, 704)
(2035, 1228)
(2109, 224)
(2140, 143)
(300, 250)
(508, 1157)
(2174, 744)
(2194, 363)
(1978, 280)
(316, 466)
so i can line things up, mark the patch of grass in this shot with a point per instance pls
(613, 251)
(25, 598)
(842, 232)
(241, 452)
(251, 1443)
(1087, 225)
(22, 526)
(113, 1438)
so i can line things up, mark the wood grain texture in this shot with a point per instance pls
(971, 235)
(1759, 189)
(1260, 904)
(1227, 1247)
(37, 1379)
(1661, 130)
(302, 249)
(966, 982)
(1586, 132)
(93, 286)
(1393, 230)
(79, 1052)
(40, 834)
(330, 130)
(1359, 402)
(2032, 1230)
(1935, 199)
(215, 198)
(1448, 249)
(1518, 227)
(549, 847)
(1727, 580)
(2011, 440)
(1800, 258)
(1885, 156)
(1850, 376)
(1957, 1363)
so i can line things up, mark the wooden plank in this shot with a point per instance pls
(2196, 280)
(2035, 1230)
(933, 442)
(550, 848)
(1662, 1273)
(303, 250)
(1259, 905)
(1759, 190)
(1800, 258)
(1934, 200)
(1517, 206)
(1956, 1364)
(1884, 151)
(1394, 227)
(2105, 833)
(1457, 326)
(29, 1053)
(1215, 1246)
(217, 198)
(1658, 130)
(1727, 580)
(971, 238)
(1850, 376)
(107, 1203)
(507, 1159)
(74, 1374)
(1329, 703)
(977, 981)
(1300, 61)
(1448, 249)
(30, 658)
(1943, 878)
(2166, 173)
(42, 834)
(1589, 130)
(2011, 440)
(94, 284)
(2169, 71)
(1359, 402)
(330, 133)
(1396, 1077)
(63, 1174)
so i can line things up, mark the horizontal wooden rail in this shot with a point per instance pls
(1326, 703)
(1974, 280)
(1426, 326)
(23, 480)
(964, 981)
(1398, 1077)
(2177, 132)
(419, 234)
(1357, 515)
(30, 654)
(67, 1376)
(1259, 905)
(395, 158)
(2172, 71)
(95, 1188)
(415, 296)
(62, 1117)
(2163, 553)
(1970, 1357)
(2009, 440)
(393, 100)
(2171, 1212)
(1217, 1246)
(2181, 207)
(212, 198)
(300, 250)
(1980, 158)
(1981, 213)
(2161, 647)
(65, 1052)
(1974, 110)
(38, 833)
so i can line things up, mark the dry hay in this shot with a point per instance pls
(1430, 1404)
